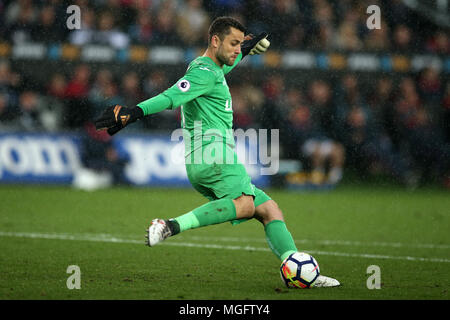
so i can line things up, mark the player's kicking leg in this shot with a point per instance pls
(279, 238)
(213, 212)
(267, 212)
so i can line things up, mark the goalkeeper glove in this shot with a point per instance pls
(255, 45)
(115, 118)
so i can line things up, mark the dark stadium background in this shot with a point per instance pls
(383, 95)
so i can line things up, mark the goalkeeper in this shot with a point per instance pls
(204, 98)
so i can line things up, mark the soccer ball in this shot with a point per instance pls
(299, 270)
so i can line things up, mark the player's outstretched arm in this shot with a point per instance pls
(197, 81)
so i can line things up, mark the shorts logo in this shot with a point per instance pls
(184, 85)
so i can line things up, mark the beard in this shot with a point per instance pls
(223, 59)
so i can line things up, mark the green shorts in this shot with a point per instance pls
(224, 181)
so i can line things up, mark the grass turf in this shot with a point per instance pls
(43, 230)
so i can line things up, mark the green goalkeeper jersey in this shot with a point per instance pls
(206, 106)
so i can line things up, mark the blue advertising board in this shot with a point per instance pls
(154, 160)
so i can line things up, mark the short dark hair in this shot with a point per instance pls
(221, 27)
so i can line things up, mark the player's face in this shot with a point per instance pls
(230, 47)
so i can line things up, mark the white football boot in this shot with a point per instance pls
(323, 281)
(158, 231)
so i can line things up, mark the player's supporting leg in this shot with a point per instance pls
(213, 212)
(277, 235)
(280, 239)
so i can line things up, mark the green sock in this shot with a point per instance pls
(213, 212)
(279, 239)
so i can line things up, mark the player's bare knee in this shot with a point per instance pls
(245, 207)
(268, 211)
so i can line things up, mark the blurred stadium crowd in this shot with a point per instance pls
(301, 24)
(399, 126)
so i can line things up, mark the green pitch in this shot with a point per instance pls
(45, 230)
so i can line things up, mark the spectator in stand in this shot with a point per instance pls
(323, 109)
(165, 27)
(224, 7)
(430, 86)
(325, 145)
(271, 116)
(322, 26)
(298, 125)
(402, 40)
(122, 12)
(254, 97)
(311, 142)
(142, 31)
(296, 38)
(347, 94)
(283, 15)
(428, 146)
(405, 107)
(7, 112)
(15, 8)
(348, 32)
(4, 107)
(23, 28)
(425, 140)
(53, 101)
(154, 83)
(381, 106)
(439, 43)
(57, 86)
(46, 29)
(192, 23)
(102, 165)
(108, 33)
(76, 107)
(9, 83)
(29, 118)
(97, 91)
(243, 116)
(78, 86)
(6, 75)
(38, 112)
(347, 38)
(378, 39)
(130, 89)
(371, 152)
(111, 96)
(130, 92)
(104, 92)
